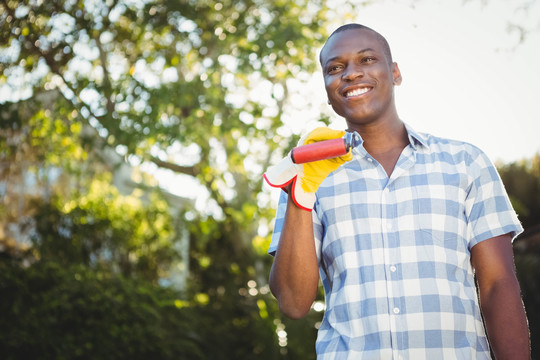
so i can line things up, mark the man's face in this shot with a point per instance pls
(358, 77)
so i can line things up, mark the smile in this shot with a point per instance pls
(357, 92)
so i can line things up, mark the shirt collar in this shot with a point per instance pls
(416, 138)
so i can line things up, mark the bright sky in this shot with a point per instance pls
(465, 76)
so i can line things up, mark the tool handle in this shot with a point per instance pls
(320, 150)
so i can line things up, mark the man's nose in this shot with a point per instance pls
(352, 72)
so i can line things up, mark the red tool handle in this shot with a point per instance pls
(319, 151)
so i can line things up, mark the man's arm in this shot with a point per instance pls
(294, 277)
(500, 298)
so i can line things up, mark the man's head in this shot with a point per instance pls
(354, 26)
(359, 75)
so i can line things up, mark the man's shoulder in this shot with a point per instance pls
(450, 151)
(434, 143)
(443, 144)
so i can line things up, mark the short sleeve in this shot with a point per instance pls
(278, 222)
(318, 231)
(488, 207)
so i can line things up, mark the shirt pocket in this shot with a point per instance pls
(439, 215)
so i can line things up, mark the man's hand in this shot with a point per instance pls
(306, 178)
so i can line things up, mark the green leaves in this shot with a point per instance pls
(522, 181)
(72, 313)
(103, 93)
(104, 230)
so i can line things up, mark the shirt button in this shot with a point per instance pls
(393, 268)
(396, 310)
(369, 159)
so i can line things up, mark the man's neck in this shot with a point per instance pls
(383, 136)
(384, 141)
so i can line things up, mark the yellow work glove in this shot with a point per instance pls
(306, 178)
(315, 172)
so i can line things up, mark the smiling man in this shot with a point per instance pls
(410, 234)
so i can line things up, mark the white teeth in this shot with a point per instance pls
(357, 92)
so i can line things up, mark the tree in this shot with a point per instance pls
(193, 88)
(522, 181)
(57, 312)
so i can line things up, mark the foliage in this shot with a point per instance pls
(102, 229)
(522, 181)
(193, 88)
(56, 312)
(91, 223)
(527, 259)
(154, 79)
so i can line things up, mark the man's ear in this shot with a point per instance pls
(396, 74)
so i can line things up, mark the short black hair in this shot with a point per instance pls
(355, 26)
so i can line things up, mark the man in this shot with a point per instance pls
(400, 229)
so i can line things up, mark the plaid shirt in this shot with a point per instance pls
(394, 253)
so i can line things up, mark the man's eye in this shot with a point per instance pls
(368, 59)
(333, 68)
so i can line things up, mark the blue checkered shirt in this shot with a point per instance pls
(394, 253)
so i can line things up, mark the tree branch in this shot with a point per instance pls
(106, 78)
(187, 170)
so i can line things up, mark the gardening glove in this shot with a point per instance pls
(306, 178)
